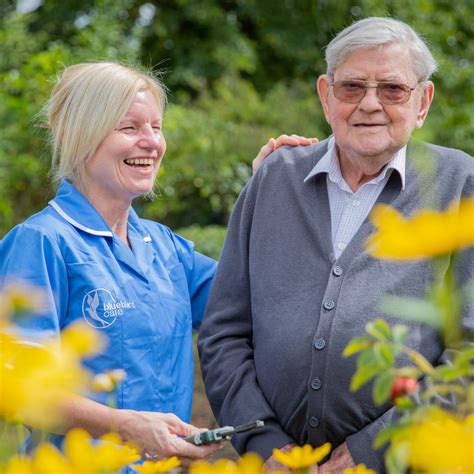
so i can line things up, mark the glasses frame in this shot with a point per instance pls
(376, 85)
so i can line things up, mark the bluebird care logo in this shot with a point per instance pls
(100, 309)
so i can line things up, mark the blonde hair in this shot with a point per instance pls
(88, 101)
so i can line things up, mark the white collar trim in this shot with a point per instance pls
(102, 233)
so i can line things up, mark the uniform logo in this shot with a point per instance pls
(101, 310)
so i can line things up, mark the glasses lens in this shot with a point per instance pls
(393, 93)
(349, 91)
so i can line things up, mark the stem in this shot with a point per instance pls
(421, 361)
(301, 470)
(448, 299)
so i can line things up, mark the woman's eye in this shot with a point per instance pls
(156, 129)
(128, 129)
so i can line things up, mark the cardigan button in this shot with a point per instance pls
(313, 422)
(329, 304)
(316, 384)
(319, 343)
(337, 270)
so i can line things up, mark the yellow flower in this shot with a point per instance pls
(103, 455)
(440, 443)
(48, 459)
(81, 340)
(102, 383)
(302, 456)
(222, 466)
(359, 469)
(77, 448)
(107, 382)
(249, 463)
(38, 378)
(117, 375)
(19, 300)
(427, 234)
(165, 465)
(35, 376)
(19, 465)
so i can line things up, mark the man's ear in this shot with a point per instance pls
(323, 87)
(425, 102)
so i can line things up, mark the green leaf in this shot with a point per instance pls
(420, 361)
(363, 374)
(448, 372)
(412, 309)
(382, 386)
(356, 345)
(396, 458)
(367, 357)
(405, 403)
(466, 354)
(467, 292)
(399, 333)
(383, 354)
(387, 353)
(385, 435)
(409, 371)
(379, 329)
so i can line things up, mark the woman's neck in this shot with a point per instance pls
(114, 212)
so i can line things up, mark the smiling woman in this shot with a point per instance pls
(97, 262)
(141, 285)
(126, 162)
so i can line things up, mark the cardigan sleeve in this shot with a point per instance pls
(225, 341)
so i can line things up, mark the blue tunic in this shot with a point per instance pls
(145, 300)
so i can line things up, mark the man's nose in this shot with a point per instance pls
(370, 101)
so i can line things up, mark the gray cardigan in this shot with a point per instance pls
(282, 309)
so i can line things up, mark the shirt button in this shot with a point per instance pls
(341, 245)
(313, 422)
(316, 384)
(356, 203)
(319, 344)
(337, 270)
(329, 304)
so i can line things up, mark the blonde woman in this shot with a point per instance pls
(137, 282)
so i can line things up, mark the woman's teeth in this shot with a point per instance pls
(139, 161)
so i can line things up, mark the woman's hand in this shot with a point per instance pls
(272, 145)
(159, 436)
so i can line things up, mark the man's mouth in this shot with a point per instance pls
(139, 162)
(369, 125)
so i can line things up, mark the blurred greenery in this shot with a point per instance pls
(207, 240)
(239, 71)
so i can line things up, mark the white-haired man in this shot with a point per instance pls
(294, 284)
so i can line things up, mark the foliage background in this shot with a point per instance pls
(239, 71)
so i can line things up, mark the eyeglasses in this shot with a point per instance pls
(388, 93)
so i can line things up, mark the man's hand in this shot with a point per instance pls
(272, 145)
(340, 459)
(159, 436)
(271, 464)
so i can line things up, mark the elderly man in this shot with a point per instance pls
(294, 283)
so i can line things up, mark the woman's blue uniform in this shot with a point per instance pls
(145, 300)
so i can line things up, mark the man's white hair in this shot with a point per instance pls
(377, 31)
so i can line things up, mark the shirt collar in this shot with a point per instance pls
(73, 207)
(329, 164)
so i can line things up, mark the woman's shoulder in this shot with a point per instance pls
(44, 222)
